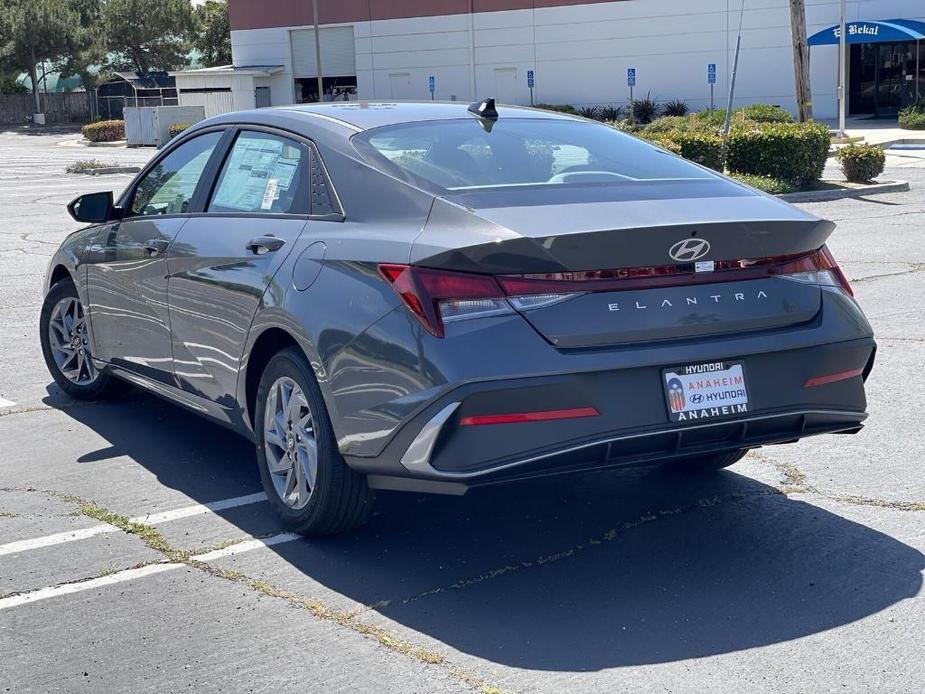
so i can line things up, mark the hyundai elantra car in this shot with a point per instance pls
(432, 297)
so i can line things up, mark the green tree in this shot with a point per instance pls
(33, 31)
(145, 35)
(213, 34)
(87, 52)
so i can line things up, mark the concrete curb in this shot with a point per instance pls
(839, 193)
(117, 143)
(112, 170)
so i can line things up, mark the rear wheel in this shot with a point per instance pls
(66, 346)
(706, 463)
(306, 479)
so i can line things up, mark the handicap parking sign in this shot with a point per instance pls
(631, 76)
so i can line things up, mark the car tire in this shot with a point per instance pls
(297, 453)
(67, 350)
(709, 462)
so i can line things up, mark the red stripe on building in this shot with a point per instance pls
(263, 14)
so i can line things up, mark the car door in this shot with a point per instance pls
(223, 261)
(127, 275)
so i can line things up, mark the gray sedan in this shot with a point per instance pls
(431, 297)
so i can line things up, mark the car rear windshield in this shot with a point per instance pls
(467, 154)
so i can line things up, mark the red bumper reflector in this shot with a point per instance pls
(832, 378)
(540, 416)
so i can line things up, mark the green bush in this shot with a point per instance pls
(861, 163)
(643, 110)
(610, 112)
(715, 118)
(692, 123)
(913, 116)
(774, 186)
(794, 152)
(705, 148)
(764, 113)
(104, 131)
(175, 129)
(562, 108)
(675, 107)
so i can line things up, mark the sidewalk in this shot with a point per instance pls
(877, 131)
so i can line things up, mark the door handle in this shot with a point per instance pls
(153, 247)
(264, 244)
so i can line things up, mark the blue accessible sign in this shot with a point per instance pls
(711, 73)
(432, 84)
(631, 76)
(530, 80)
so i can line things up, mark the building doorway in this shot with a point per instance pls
(883, 77)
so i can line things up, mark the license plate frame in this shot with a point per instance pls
(706, 391)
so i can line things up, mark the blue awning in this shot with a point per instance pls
(871, 32)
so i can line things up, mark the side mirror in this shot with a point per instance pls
(93, 208)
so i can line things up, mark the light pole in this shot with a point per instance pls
(318, 51)
(842, 70)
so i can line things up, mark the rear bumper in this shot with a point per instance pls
(636, 448)
(633, 426)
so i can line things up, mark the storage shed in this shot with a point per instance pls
(226, 88)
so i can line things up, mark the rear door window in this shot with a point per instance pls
(263, 174)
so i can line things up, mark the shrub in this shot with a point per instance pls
(705, 148)
(104, 131)
(764, 113)
(861, 163)
(667, 124)
(675, 107)
(85, 165)
(715, 118)
(643, 110)
(911, 120)
(794, 152)
(562, 108)
(774, 186)
(592, 112)
(609, 113)
(175, 129)
(913, 116)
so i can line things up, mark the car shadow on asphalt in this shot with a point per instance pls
(577, 573)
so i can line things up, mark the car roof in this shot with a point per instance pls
(365, 115)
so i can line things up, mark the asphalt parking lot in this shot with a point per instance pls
(137, 552)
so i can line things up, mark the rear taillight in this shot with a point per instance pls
(436, 297)
(817, 268)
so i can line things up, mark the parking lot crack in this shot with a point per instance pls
(317, 608)
(610, 535)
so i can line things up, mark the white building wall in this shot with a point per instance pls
(580, 53)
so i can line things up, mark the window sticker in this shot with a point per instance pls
(258, 171)
(270, 194)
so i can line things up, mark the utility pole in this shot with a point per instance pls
(801, 60)
(842, 70)
(318, 51)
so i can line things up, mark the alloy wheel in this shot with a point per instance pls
(70, 342)
(290, 443)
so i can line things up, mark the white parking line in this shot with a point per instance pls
(150, 519)
(70, 588)
(132, 574)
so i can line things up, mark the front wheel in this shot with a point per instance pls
(66, 346)
(307, 481)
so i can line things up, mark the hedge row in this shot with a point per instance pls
(104, 131)
(792, 152)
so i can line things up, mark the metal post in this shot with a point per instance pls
(732, 83)
(318, 51)
(842, 69)
(531, 96)
(918, 55)
(711, 96)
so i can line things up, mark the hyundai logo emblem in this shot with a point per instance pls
(689, 250)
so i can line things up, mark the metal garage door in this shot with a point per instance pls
(338, 52)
